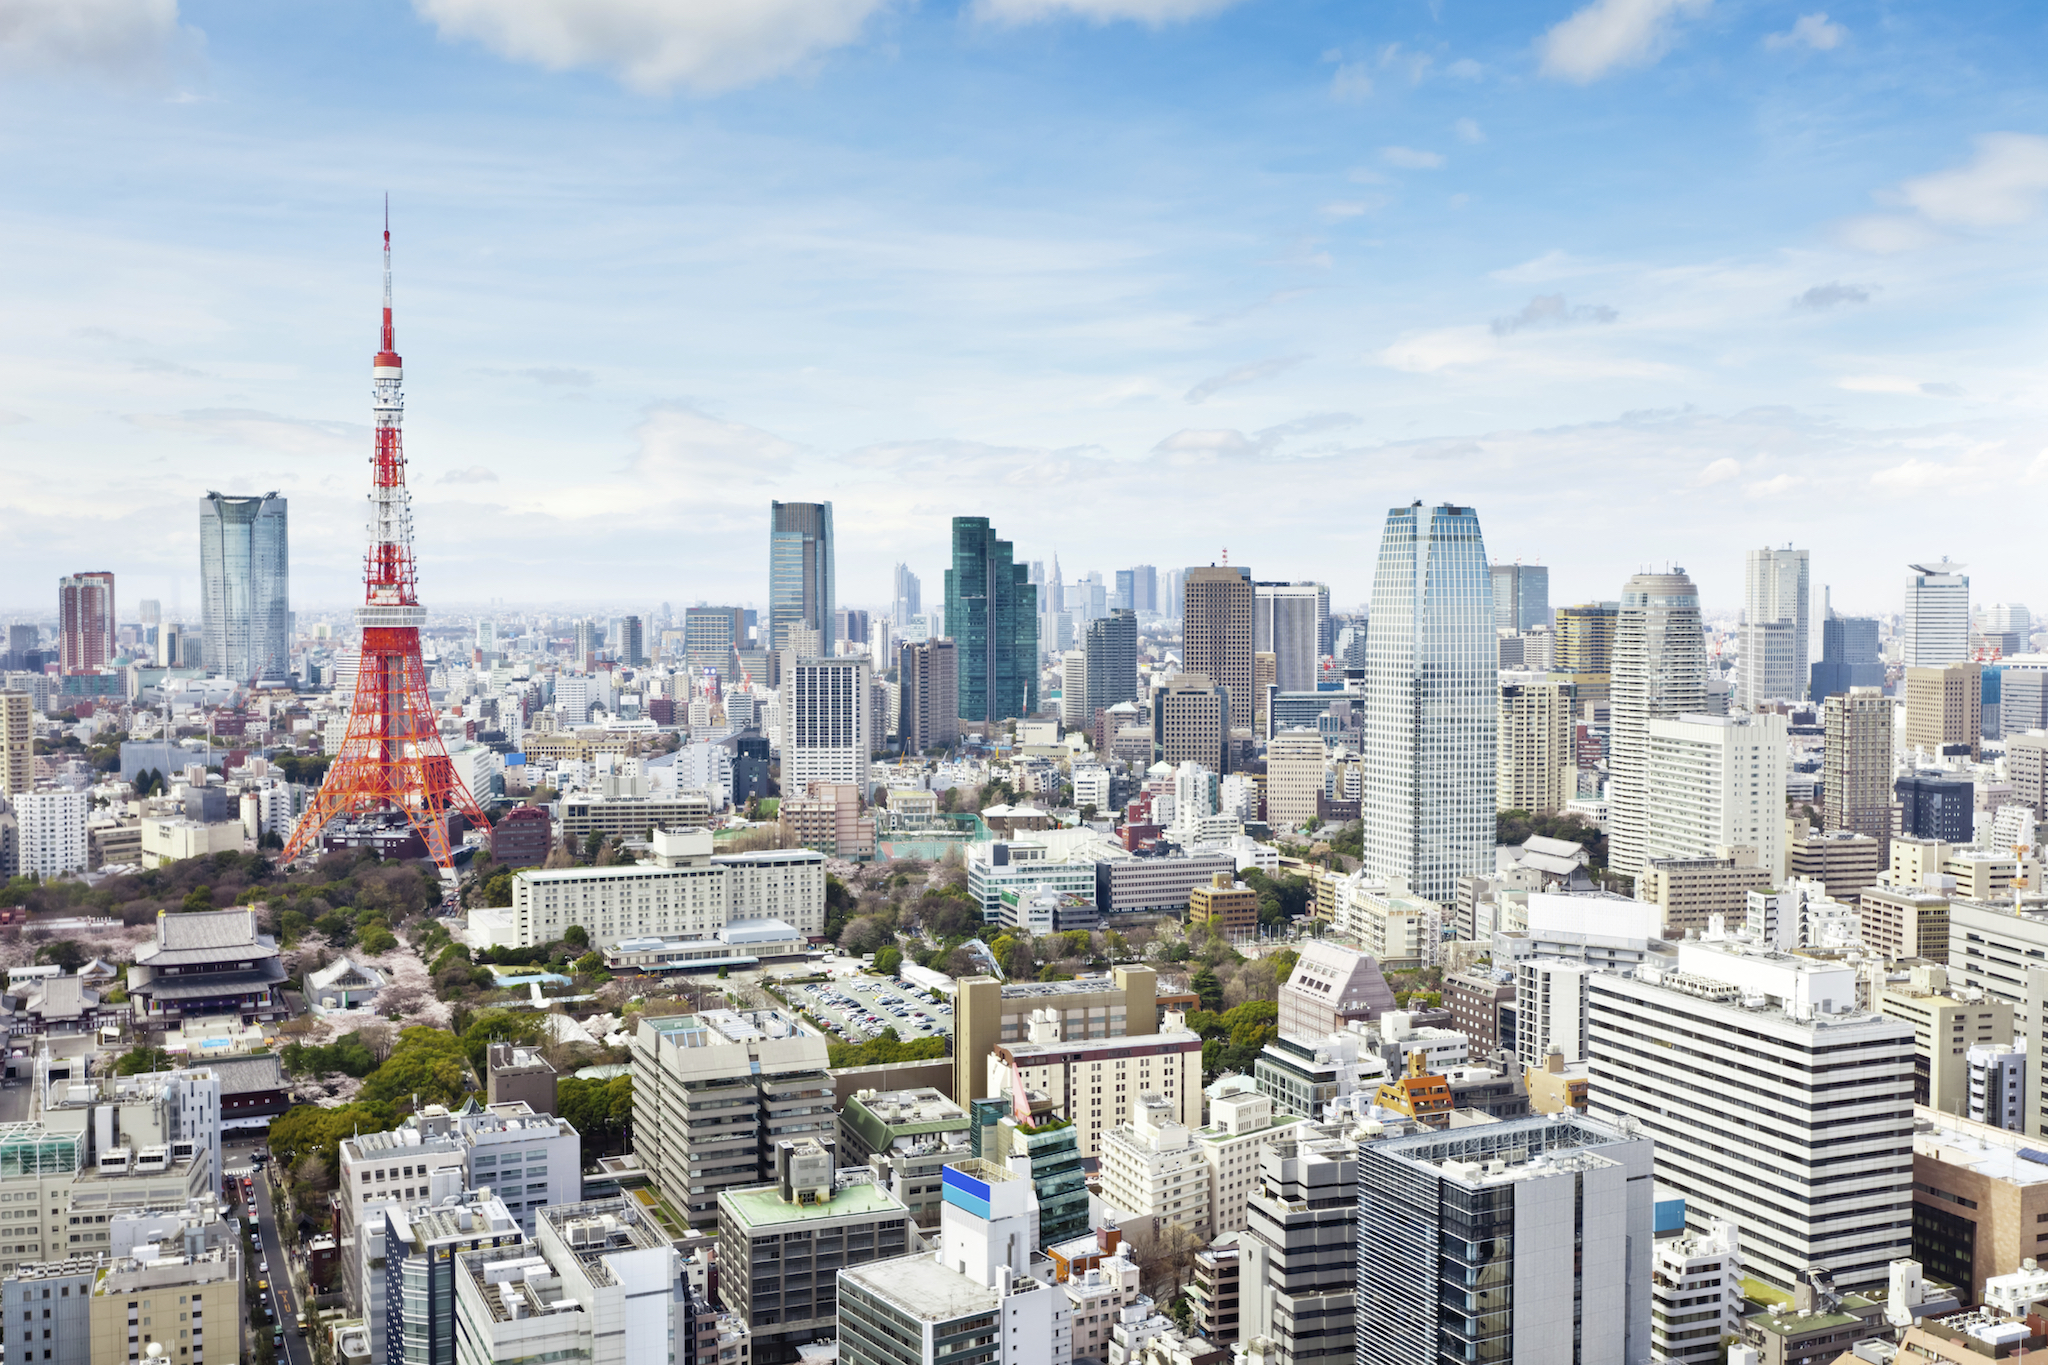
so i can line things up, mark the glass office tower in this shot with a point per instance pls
(244, 568)
(992, 617)
(800, 578)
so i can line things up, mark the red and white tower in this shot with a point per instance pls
(393, 759)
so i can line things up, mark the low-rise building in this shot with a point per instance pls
(905, 1136)
(1226, 905)
(988, 1012)
(1152, 1169)
(1330, 987)
(1695, 1295)
(207, 962)
(1482, 1005)
(1845, 861)
(1241, 1123)
(681, 890)
(827, 819)
(1980, 1204)
(1902, 921)
(1688, 891)
(1946, 1026)
(1097, 1082)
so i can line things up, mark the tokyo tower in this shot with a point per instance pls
(393, 759)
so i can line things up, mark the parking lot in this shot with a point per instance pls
(862, 1006)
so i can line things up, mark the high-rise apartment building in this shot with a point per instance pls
(1294, 777)
(1289, 621)
(1848, 655)
(1479, 1243)
(1816, 1167)
(1660, 669)
(632, 642)
(1715, 782)
(85, 621)
(826, 722)
(1537, 767)
(1583, 656)
(1431, 703)
(1856, 789)
(1521, 597)
(928, 672)
(801, 584)
(244, 570)
(17, 743)
(50, 832)
(1934, 627)
(992, 619)
(1073, 672)
(1111, 653)
(1190, 723)
(1776, 592)
(1217, 633)
(1944, 709)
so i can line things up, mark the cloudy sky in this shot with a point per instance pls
(1142, 280)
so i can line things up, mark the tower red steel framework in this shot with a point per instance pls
(393, 758)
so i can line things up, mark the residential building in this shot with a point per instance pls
(1946, 1026)
(172, 1292)
(1934, 627)
(1933, 804)
(413, 1249)
(929, 712)
(1584, 656)
(1111, 656)
(1153, 1170)
(826, 731)
(47, 1308)
(1998, 1092)
(1980, 1204)
(1521, 597)
(1848, 656)
(208, 962)
(1814, 1174)
(681, 890)
(1289, 621)
(1297, 1259)
(1241, 1125)
(988, 1012)
(1688, 892)
(1217, 1291)
(2026, 767)
(826, 818)
(86, 622)
(1330, 987)
(713, 1092)
(1431, 707)
(1073, 671)
(1776, 592)
(50, 832)
(1097, 1082)
(786, 1244)
(1537, 767)
(992, 619)
(905, 1136)
(1714, 782)
(1905, 920)
(1552, 1009)
(1482, 1005)
(1566, 1202)
(1695, 1295)
(1217, 635)
(1660, 668)
(802, 588)
(1404, 932)
(1944, 709)
(1846, 861)
(623, 817)
(1294, 777)
(245, 587)
(1227, 906)
(17, 743)
(985, 1285)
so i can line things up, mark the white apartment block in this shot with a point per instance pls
(1294, 777)
(1551, 1000)
(682, 891)
(1404, 932)
(1151, 1168)
(1774, 1104)
(1714, 782)
(50, 832)
(1240, 1124)
(1092, 788)
(1695, 1295)
(826, 714)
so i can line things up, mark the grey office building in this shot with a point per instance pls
(1296, 1282)
(1521, 597)
(244, 569)
(1112, 654)
(49, 1312)
(800, 575)
(1288, 622)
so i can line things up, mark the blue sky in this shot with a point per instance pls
(1142, 280)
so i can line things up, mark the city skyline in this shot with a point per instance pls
(1826, 365)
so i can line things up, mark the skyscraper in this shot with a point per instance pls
(1521, 597)
(1145, 589)
(800, 576)
(631, 645)
(1934, 628)
(1584, 656)
(992, 620)
(1848, 655)
(710, 635)
(244, 570)
(908, 597)
(1287, 622)
(1535, 767)
(1856, 789)
(1660, 669)
(1775, 647)
(1218, 634)
(85, 621)
(1431, 703)
(1112, 661)
(826, 722)
(928, 671)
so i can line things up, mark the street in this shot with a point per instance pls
(280, 1297)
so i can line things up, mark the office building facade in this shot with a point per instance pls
(1848, 656)
(1191, 723)
(1583, 657)
(1289, 622)
(827, 719)
(801, 582)
(1111, 658)
(1217, 632)
(1944, 710)
(1776, 591)
(1431, 703)
(85, 622)
(992, 619)
(1934, 627)
(245, 583)
(1715, 782)
(1521, 597)
(1660, 669)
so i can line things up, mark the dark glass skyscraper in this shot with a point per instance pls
(800, 579)
(992, 617)
(244, 570)
(1112, 654)
(1848, 656)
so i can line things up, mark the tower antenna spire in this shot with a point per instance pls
(389, 345)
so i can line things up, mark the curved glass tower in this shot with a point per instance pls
(244, 568)
(1431, 703)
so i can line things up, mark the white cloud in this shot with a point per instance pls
(1409, 159)
(265, 430)
(2001, 185)
(1884, 234)
(1612, 33)
(1896, 383)
(655, 45)
(1772, 487)
(1551, 310)
(1465, 69)
(1243, 374)
(1468, 130)
(1442, 349)
(1720, 471)
(1914, 475)
(476, 473)
(1810, 30)
(1153, 12)
(1834, 294)
(1352, 83)
(1551, 265)
(125, 40)
(1349, 208)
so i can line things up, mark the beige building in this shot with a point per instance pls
(1945, 708)
(1330, 987)
(1152, 1169)
(1265, 672)
(988, 1012)
(683, 890)
(1689, 890)
(1584, 655)
(1098, 1082)
(1216, 609)
(1294, 777)
(1404, 932)
(1857, 769)
(188, 1302)
(1981, 1203)
(17, 743)
(827, 817)
(1905, 921)
(1945, 1027)
(1536, 767)
(1845, 861)
(1188, 721)
(173, 839)
(1240, 1124)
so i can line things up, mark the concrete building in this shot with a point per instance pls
(681, 889)
(1945, 709)
(1933, 804)
(1715, 782)
(713, 1091)
(1660, 671)
(1110, 651)
(928, 671)
(1297, 1258)
(1934, 627)
(826, 735)
(1777, 590)
(826, 818)
(409, 1298)
(1905, 921)
(86, 622)
(2026, 767)
(1689, 891)
(1856, 768)
(1153, 1169)
(1536, 770)
(1552, 1009)
(1154, 885)
(1814, 1175)
(1289, 622)
(1695, 1295)
(1583, 659)
(515, 1074)
(904, 1136)
(1225, 905)
(17, 743)
(1217, 633)
(1945, 1028)
(49, 1317)
(1097, 1083)
(1845, 861)
(784, 1243)
(1569, 1199)
(1482, 1005)
(1241, 1125)
(1979, 1206)
(1191, 719)
(1330, 986)
(1998, 1092)
(49, 832)
(988, 1012)
(173, 1293)
(1294, 777)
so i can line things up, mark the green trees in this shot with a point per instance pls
(887, 1048)
(1231, 1041)
(575, 936)
(137, 1060)
(888, 961)
(1205, 985)
(598, 1109)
